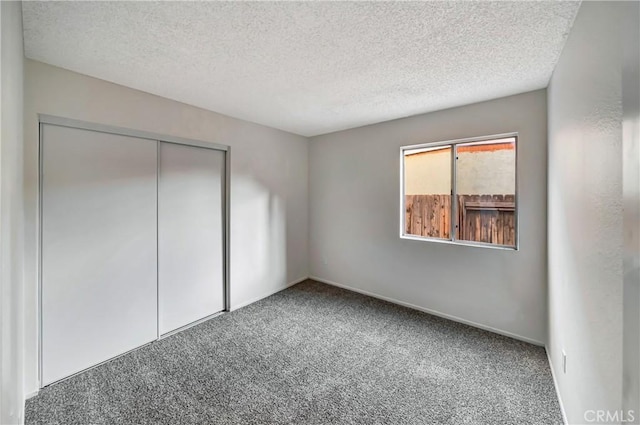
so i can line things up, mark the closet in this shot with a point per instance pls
(190, 239)
(132, 240)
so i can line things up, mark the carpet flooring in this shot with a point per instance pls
(313, 354)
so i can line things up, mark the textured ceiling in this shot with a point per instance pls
(307, 67)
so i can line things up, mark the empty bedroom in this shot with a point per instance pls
(319, 212)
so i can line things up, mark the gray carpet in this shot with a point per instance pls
(313, 354)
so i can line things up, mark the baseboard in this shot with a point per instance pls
(433, 312)
(268, 294)
(31, 395)
(555, 384)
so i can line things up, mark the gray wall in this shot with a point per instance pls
(631, 219)
(355, 220)
(586, 212)
(11, 214)
(269, 172)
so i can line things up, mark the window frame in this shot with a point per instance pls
(454, 205)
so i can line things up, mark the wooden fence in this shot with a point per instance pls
(484, 218)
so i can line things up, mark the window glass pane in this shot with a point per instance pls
(486, 189)
(427, 190)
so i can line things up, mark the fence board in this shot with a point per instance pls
(480, 218)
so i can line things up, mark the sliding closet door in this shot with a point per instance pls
(99, 258)
(190, 234)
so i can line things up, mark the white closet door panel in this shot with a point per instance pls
(190, 234)
(99, 247)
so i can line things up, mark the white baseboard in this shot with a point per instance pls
(555, 384)
(30, 395)
(267, 294)
(433, 312)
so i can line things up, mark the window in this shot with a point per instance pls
(462, 191)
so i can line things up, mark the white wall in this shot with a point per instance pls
(269, 180)
(355, 220)
(585, 212)
(11, 214)
(631, 206)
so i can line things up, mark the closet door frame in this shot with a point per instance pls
(44, 119)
